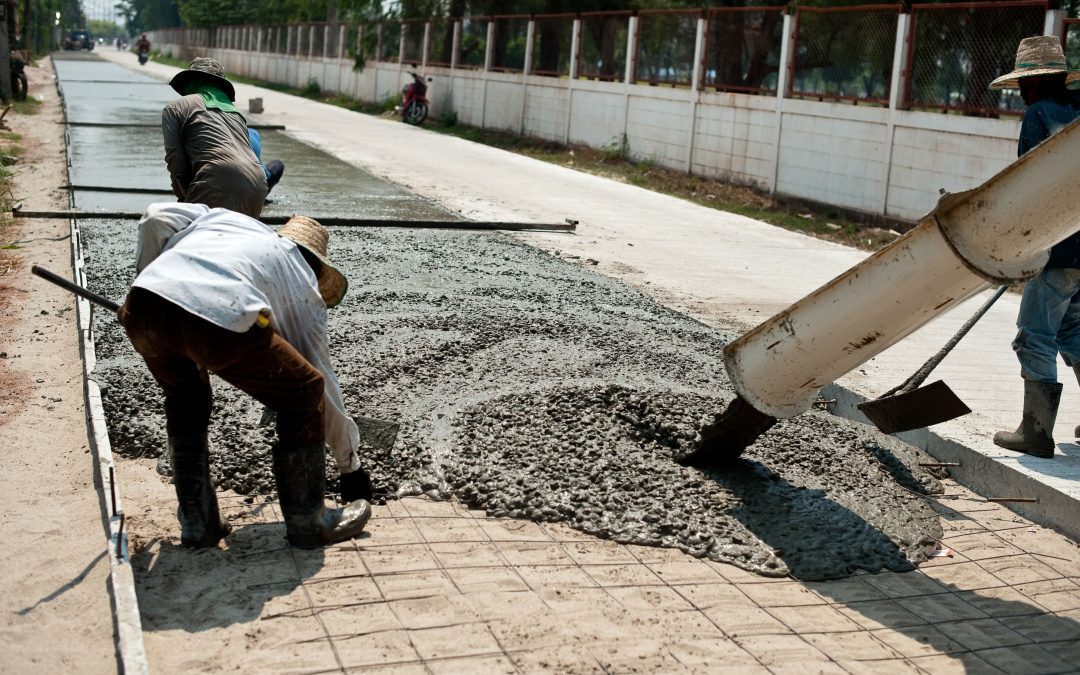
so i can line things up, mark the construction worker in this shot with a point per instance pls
(217, 291)
(207, 149)
(1049, 319)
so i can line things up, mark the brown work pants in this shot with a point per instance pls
(179, 348)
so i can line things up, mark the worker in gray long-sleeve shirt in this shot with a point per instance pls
(206, 143)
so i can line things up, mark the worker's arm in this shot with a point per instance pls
(173, 119)
(161, 223)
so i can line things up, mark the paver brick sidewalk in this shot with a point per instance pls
(438, 588)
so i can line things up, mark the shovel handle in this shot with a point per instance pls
(75, 288)
(922, 373)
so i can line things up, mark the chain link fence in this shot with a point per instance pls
(743, 49)
(388, 42)
(473, 48)
(413, 52)
(665, 47)
(441, 49)
(845, 53)
(552, 44)
(957, 49)
(603, 45)
(1071, 43)
(508, 43)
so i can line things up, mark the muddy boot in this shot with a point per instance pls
(1035, 435)
(201, 525)
(300, 474)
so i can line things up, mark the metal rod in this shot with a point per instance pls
(112, 489)
(80, 291)
(329, 221)
(1029, 500)
(147, 125)
(936, 464)
(113, 188)
(120, 537)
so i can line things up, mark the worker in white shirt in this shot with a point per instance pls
(217, 291)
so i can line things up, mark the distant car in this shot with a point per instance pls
(79, 38)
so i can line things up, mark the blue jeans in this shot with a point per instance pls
(1049, 322)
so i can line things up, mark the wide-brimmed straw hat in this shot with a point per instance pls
(206, 69)
(313, 237)
(1041, 55)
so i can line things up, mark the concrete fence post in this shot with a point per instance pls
(575, 48)
(631, 50)
(898, 87)
(311, 42)
(489, 46)
(1055, 22)
(401, 44)
(455, 49)
(259, 40)
(326, 41)
(288, 40)
(697, 74)
(530, 45)
(342, 31)
(426, 49)
(783, 83)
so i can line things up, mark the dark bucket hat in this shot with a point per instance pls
(207, 70)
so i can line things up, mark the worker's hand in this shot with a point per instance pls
(356, 485)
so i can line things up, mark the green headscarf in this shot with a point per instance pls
(214, 97)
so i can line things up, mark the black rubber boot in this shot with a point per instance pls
(201, 525)
(1076, 371)
(300, 474)
(1035, 435)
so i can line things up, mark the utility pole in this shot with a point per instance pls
(26, 31)
(5, 55)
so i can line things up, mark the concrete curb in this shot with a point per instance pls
(976, 471)
(127, 622)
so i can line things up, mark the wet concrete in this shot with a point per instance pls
(315, 183)
(534, 388)
(524, 385)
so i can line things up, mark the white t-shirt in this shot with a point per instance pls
(226, 268)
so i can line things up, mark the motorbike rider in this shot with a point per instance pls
(142, 45)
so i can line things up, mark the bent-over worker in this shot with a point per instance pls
(217, 291)
(207, 149)
(1049, 319)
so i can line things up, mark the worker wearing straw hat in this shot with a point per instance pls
(1049, 319)
(217, 291)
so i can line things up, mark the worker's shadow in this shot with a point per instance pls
(253, 574)
(974, 624)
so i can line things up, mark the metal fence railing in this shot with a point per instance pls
(957, 49)
(845, 53)
(665, 46)
(473, 49)
(552, 44)
(508, 43)
(602, 50)
(953, 49)
(743, 49)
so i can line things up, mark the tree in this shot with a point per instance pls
(144, 15)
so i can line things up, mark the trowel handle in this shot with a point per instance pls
(921, 374)
(76, 289)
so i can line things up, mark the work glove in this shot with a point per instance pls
(356, 485)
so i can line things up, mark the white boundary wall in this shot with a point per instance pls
(874, 159)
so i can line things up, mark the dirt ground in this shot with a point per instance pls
(53, 563)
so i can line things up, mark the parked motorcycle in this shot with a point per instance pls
(414, 103)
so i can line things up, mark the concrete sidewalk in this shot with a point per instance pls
(726, 270)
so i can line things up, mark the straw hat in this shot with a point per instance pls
(313, 237)
(1040, 55)
(206, 69)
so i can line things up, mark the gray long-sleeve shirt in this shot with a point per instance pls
(209, 158)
